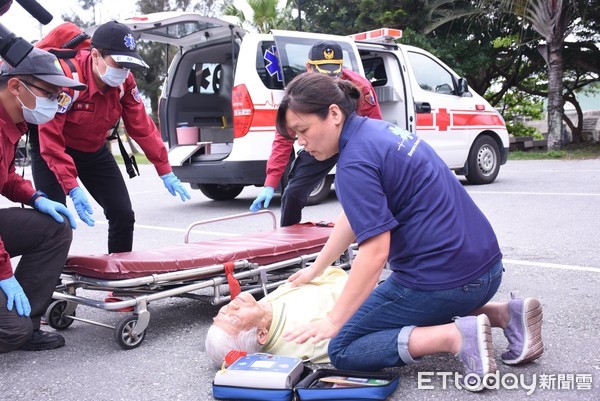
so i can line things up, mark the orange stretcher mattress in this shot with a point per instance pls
(262, 248)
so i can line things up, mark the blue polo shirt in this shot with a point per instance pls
(388, 179)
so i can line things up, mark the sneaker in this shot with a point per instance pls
(524, 331)
(43, 340)
(477, 352)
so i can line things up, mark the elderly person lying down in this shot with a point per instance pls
(257, 326)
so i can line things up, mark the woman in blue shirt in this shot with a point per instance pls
(404, 207)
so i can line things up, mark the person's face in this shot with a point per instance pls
(102, 63)
(240, 314)
(319, 137)
(27, 88)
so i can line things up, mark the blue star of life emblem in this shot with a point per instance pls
(273, 67)
(130, 41)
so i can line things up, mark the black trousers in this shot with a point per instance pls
(43, 245)
(304, 176)
(100, 174)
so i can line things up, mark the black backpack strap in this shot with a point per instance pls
(130, 163)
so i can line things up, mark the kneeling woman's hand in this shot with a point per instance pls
(303, 276)
(318, 330)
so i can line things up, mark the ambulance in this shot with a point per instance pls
(228, 83)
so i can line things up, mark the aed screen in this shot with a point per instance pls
(263, 364)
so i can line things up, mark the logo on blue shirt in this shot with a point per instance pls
(405, 136)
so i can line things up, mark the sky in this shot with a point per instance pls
(24, 25)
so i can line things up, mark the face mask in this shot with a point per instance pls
(44, 109)
(113, 76)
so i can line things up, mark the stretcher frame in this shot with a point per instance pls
(130, 331)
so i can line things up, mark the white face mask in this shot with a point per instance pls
(113, 76)
(44, 109)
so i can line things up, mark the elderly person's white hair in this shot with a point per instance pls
(219, 343)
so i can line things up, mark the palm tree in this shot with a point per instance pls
(265, 15)
(551, 19)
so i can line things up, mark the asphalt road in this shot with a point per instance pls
(546, 215)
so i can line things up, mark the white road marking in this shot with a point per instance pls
(551, 265)
(506, 261)
(179, 230)
(535, 193)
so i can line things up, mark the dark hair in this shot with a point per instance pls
(4, 79)
(312, 93)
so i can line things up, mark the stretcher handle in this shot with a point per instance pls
(230, 217)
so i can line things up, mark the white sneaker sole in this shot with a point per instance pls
(531, 318)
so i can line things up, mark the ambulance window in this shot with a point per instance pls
(205, 78)
(268, 66)
(430, 75)
(375, 71)
(293, 55)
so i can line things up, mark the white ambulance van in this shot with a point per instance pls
(228, 83)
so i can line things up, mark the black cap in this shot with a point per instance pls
(326, 57)
(45, 67)
(118, 41)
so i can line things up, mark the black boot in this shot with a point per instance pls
(43, 340)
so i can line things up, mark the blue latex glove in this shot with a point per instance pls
(82, 206)
(54, 209)
(174, 186)
(15, 296)
(263, 199)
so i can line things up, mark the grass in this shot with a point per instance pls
(568, 152)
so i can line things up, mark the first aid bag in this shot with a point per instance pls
(261, 376)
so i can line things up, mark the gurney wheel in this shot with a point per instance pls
(124, 333)
(55, 315)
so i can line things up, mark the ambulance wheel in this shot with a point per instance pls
(220, 192)
(484, 161)
(124, 333)
(321, 191)
(55, 316)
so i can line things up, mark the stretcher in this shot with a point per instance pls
(212, 271)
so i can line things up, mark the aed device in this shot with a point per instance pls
(261, 371)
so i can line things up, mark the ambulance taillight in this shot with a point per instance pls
(243, 110)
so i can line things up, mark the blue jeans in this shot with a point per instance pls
(369, 340)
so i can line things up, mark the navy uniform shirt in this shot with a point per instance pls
(388, 179)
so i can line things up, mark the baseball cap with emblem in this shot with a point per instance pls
(44, 66)
(118, 41)
(326, 57)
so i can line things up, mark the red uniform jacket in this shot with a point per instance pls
(282, 147)
(12, 185)
(85, 125)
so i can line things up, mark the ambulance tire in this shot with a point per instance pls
(483, 164)
(321, 191)
(221, 192)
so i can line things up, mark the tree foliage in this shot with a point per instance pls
(266, 15)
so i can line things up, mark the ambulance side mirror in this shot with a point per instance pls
(463, 88)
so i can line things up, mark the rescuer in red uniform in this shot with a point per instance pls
(74, 145)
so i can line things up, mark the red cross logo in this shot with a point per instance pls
(442, 119)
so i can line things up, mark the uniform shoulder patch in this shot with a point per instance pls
(136, 94)
(64, 102)
(369, 98)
